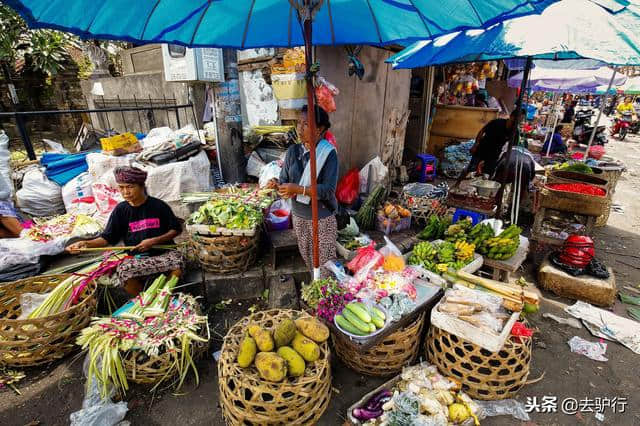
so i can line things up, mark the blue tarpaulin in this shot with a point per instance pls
(61, 168)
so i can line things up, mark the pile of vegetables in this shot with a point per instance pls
(259, 197)
(351, 238)
(436, 227)
(580, 188)
(359, 319)
(421, 397)
(284, 351)
(578, 167)
(64, 226)
(441, 257)
(504, 246)
(150, 330)
(230, 214)
(367, 214)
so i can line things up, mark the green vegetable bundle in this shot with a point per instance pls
(436, 227)
(231, 214)
(366, 216)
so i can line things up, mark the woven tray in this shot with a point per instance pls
(423, 207)
(388, 357)
(225, 254)
(30, 342)
(483, 374)
(247, 399)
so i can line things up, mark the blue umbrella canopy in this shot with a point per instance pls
(268, 23)
(605, 30)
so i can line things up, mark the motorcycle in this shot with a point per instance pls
(583, 128)
(623, 125)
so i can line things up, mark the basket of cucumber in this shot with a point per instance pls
(361, 320)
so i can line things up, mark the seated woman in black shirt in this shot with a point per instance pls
(142, 222)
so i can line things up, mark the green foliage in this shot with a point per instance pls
(45, 48)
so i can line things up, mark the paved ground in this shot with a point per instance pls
(50, 394)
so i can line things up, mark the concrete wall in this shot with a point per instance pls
(145, 89)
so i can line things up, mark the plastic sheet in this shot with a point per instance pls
(78, 187)
(592, 350)
(29, 302)
(505, 407)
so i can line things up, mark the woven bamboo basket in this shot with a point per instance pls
(387, 358)
(247, 399)
(573, 202)
(225, 254)
(29, 342)
(142, 369)
(422, 208)
(483, 374)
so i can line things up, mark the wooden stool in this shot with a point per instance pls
(502, 269)
(281, 241)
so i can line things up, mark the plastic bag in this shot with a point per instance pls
(29, 302)
(255, 165)
(348, 187)
(279, 217)
(338, 271)
(270, 171)
(39, 196)
(378, 174)
(78, 187)
(95, 410)
(106, 198)
(393, 260)
(505, 407)
(592, 350)
(366, 256)
(325, 93)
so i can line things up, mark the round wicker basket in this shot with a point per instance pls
(247, 399)
(29, 342)
(225, 254)
(483, 374)
(142, 369)
(388, 357)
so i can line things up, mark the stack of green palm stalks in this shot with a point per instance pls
(156, 323)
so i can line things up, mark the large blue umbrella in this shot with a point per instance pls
(271, 23)
(268, 23)
(570, 29)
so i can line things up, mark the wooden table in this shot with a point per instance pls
(502, 269)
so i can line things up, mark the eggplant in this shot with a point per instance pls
(364, 414)
(375, 402)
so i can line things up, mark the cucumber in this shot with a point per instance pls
(372, 327)
(359, 312)
(377, 312)
(377, 322)
(355, 321)
(347, 326)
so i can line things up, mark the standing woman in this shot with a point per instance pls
(143, 222)
(295, 184)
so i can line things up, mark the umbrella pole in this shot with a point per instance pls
(312, 149)
(514, 130)
(595, 127)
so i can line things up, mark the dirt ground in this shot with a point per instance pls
(51, 393)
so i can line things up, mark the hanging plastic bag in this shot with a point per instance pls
(348, 187)
(325, 93)
(279, 217)
(378, 174)
(270, 171)
(255, 165)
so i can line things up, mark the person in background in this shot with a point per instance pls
(10, 226)
(142, 222)
(569, 112)
(295, 183)
(625, 105)
(557, 144)
(489, 143)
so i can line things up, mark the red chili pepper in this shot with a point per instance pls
(580, 188)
